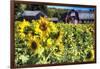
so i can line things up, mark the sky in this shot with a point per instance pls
(68, 7)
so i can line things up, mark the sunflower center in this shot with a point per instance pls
(57, 35)
(32, 33)
(89, 55)
(43, 27)
(34, 45)
(19, 27)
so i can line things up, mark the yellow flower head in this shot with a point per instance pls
(34, 44)
(22, 25)
(59, 50)
(59, 36)
(49, 42)
(42, 27)
(90, 55)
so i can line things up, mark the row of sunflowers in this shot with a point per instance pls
(44, 42)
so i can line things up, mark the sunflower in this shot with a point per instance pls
(19, 28)
(59, 36)
(34, 44)
(90, 55)
(49, 42)
(42, 27)
(53, 27)
(20, 35)
(21, 25)
(59, 49)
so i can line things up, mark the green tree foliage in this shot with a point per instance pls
(33, 7)
(53, 12)
(19, 8)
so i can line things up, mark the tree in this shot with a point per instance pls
(19, 8)
(33, 7)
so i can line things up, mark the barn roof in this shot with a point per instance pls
(83, 14)
(86, 15)
(32, 13)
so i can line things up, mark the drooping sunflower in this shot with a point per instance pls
(59, 49)
(59, 36)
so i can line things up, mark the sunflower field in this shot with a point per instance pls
(44, 42)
